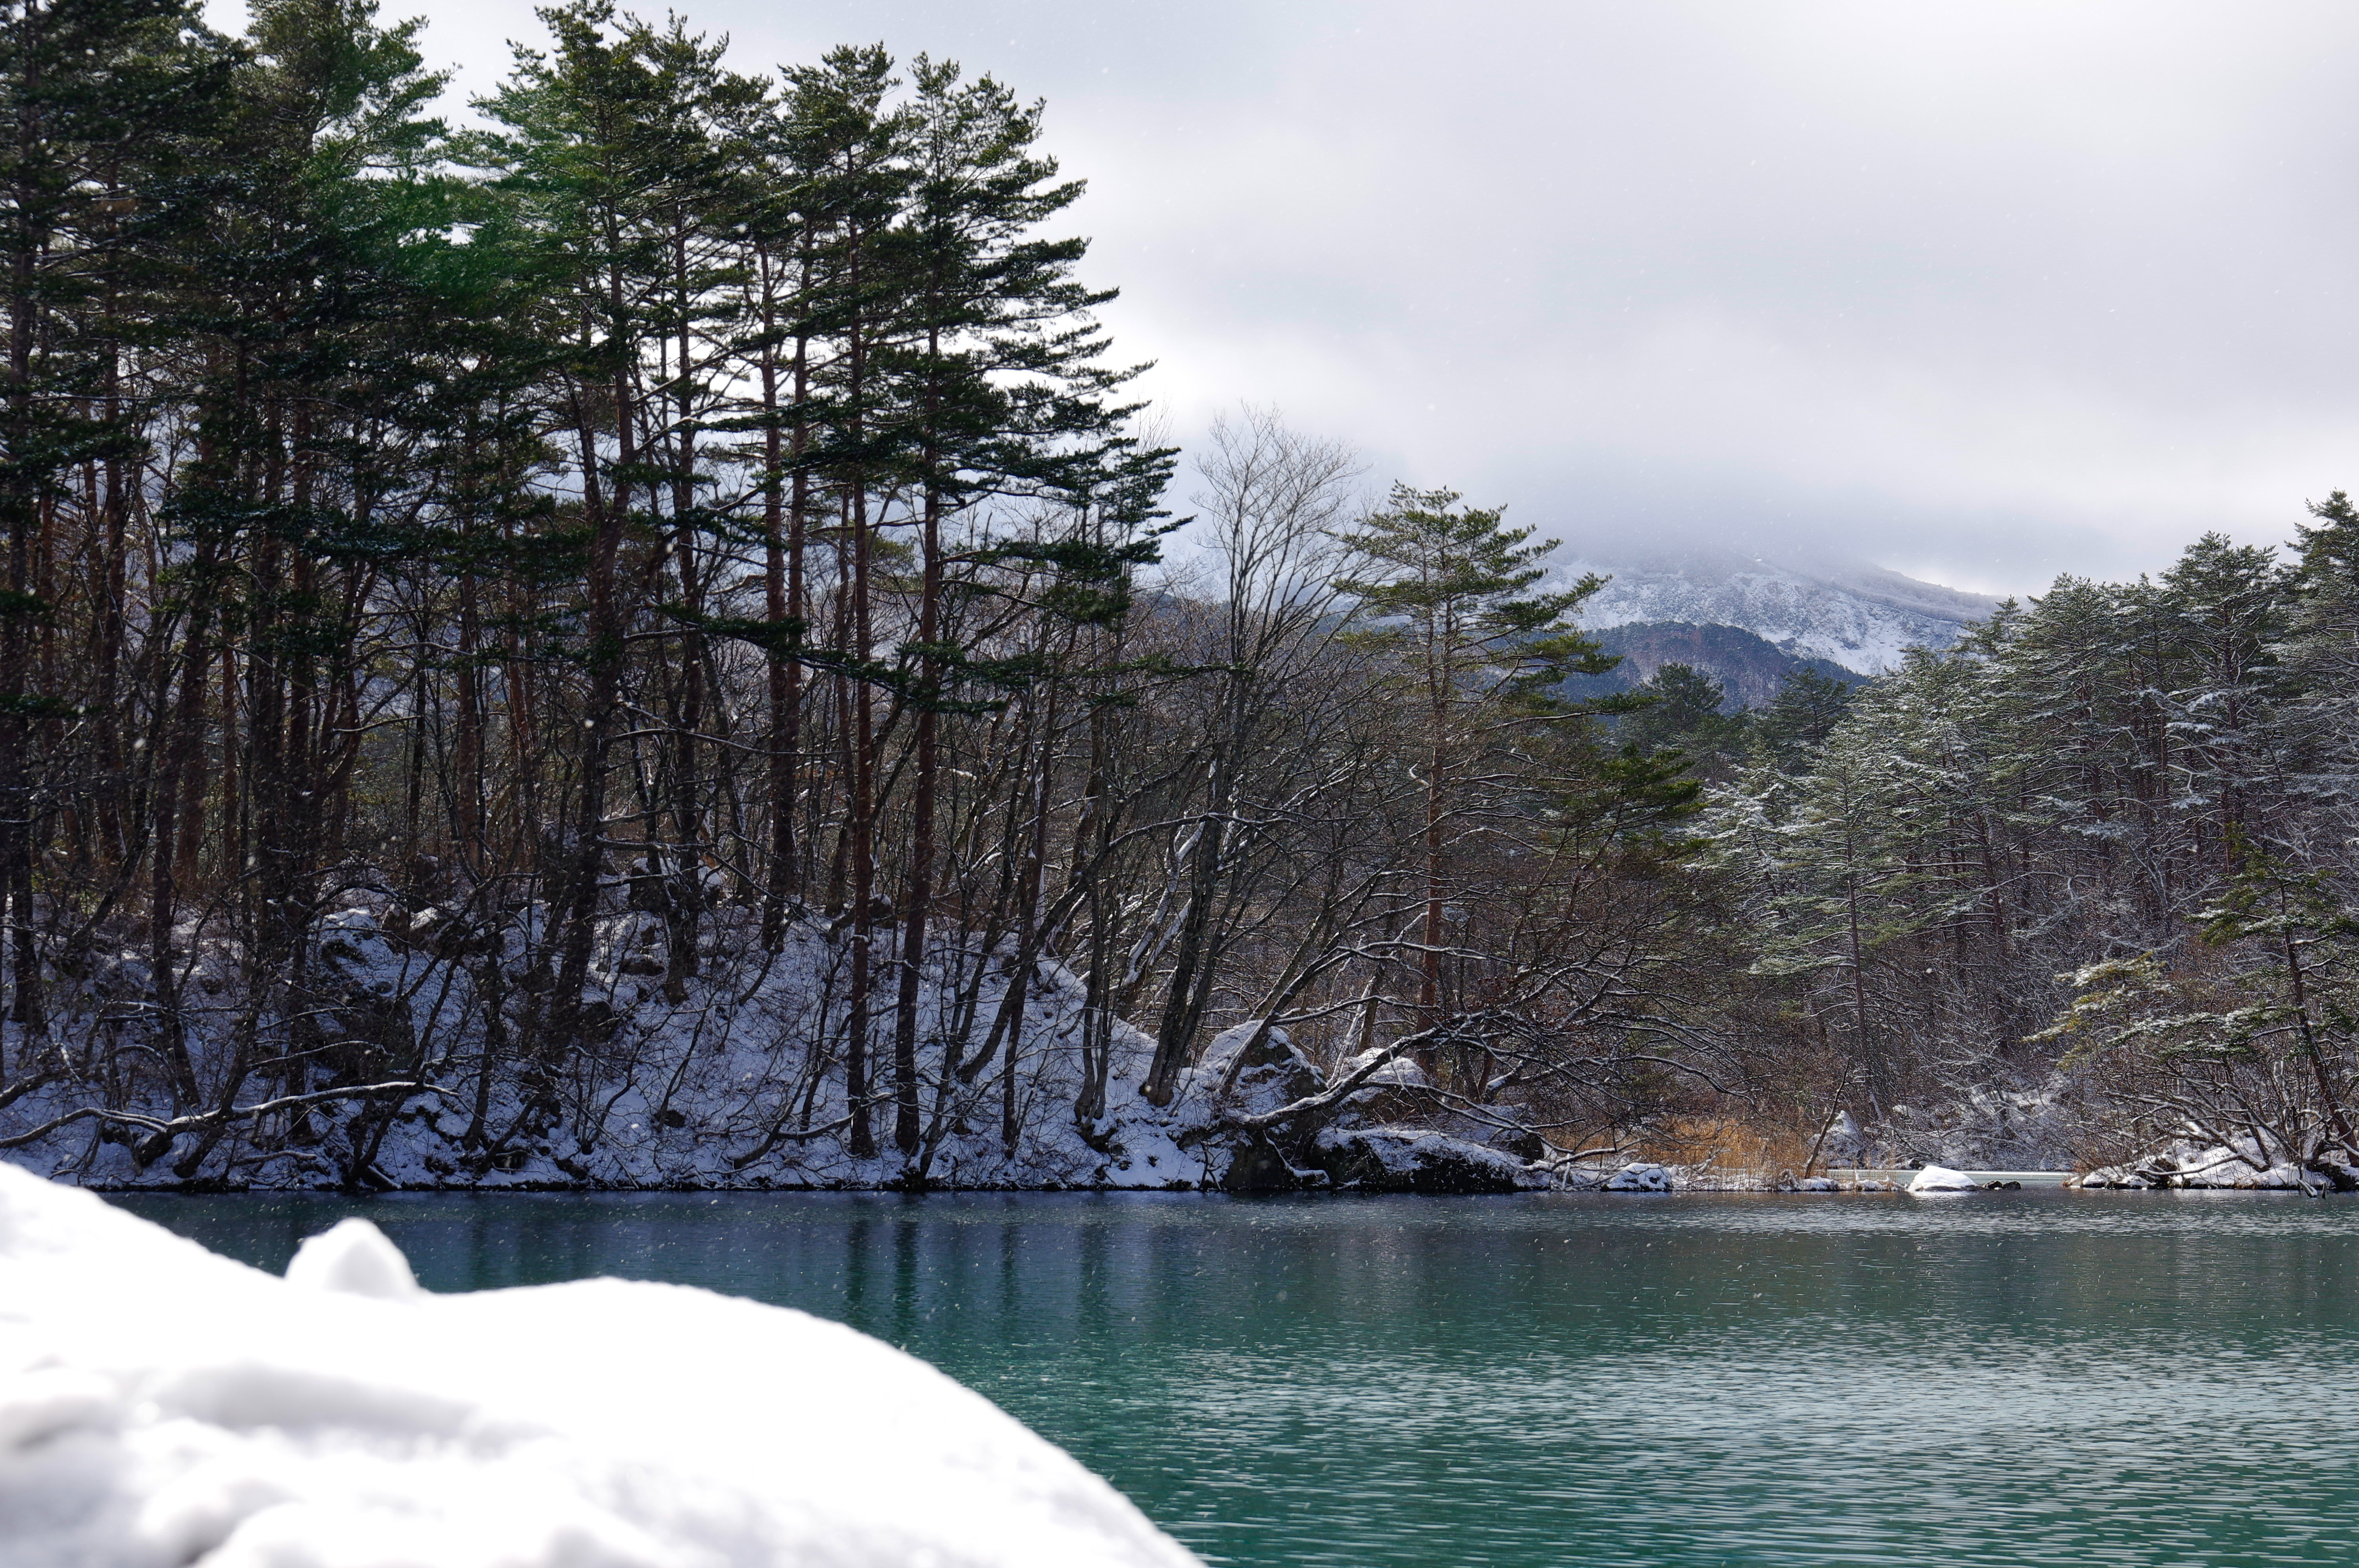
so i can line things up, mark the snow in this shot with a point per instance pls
(1859, 616)
(719, 1089)
(1399, 1072)
(1418, 1159)
(737, 1085)
(2023, 1126)
(1941, 1179)
(1275, 1072)
(353, 1258)
(2243, 1166)
(1639, 1178)
(161, 1407)
(1842, 1143)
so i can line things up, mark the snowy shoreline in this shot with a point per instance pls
(1604, 1181)
(731, 1090)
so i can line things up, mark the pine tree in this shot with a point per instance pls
(999, 395)
(103, 99)
(591, 150)
(1444, 593)
(1683, 714)
(1808, 707)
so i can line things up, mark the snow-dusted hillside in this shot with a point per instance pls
(739, 1083)
(1861, 617)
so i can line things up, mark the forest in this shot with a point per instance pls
(647, 639)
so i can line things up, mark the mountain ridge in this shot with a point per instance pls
(1852, 613)
(1750, 670)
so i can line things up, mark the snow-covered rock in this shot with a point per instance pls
(1397, 1073)
(1257, 1069)
(1416, 1160)
(162, 1407)
(1941, 1179)
(1639, 1178)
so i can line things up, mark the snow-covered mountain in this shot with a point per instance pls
(1857, 615)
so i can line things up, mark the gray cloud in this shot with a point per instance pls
(1979, 291)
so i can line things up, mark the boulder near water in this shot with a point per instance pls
(1639, 1178)
(1414, 1160)
(1941, 1179)
(1258, 1068)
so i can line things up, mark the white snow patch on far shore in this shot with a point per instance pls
(1640, 1178)
(2243, 1166)
(1941, 1179)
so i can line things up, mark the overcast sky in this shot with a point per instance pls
(1980, 292)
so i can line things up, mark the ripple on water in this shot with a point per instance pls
(2149, 1380)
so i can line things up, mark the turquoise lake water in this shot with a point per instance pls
(2147, 1380)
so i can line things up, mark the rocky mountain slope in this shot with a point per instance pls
(1858, 616)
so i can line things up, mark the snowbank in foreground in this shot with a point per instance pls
(161, 1407)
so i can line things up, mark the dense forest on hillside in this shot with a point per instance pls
(2117, 824)
(647, 640)
(1749, 670)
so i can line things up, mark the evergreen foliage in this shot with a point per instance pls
(688, 517)
(692, 527)
(2124, 806)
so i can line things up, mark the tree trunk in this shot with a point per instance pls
(906, 1130)
(861, 836)
(606, 516)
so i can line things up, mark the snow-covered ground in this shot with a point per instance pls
(2033, 1127)
(738, 1080)
(161, 1407)
(740, 1083)
(2244, 1166)
(1646, 1176)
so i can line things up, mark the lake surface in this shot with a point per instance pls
(1977, 1381)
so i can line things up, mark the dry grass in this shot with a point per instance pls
(1755, 1145)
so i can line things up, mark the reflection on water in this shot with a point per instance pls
(2018, 1378)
